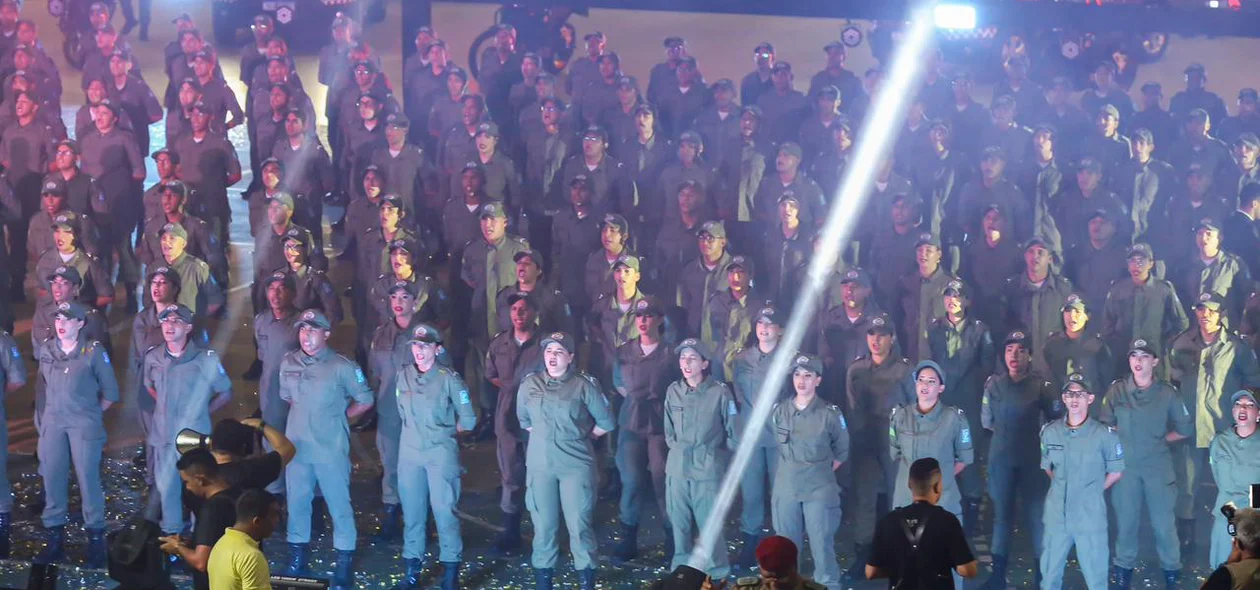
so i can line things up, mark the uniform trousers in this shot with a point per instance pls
(638, 458)
(547, 494)
(431, 481)
(59, 445)
(1159, 488)
(333, 480)
(819, 519)
(689, 503)
(754, 487)
(1091, 552)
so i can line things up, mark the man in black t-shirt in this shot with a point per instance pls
(921, 546)
(200, 474)
(233, 444)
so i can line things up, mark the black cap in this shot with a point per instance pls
(1018, 337)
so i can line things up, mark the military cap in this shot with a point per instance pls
(426, 334)
(488, 128)
(696, 345)
(881, 324)
(564, 340)
(531, 254)
(493, 209)
(174, 229)
(1143, 346)
(176, 311)
(1140, 249)
(68, 273)
(283, 198)
(1210, 300)
(279, 277)
(53, 185)
(649, 305)
(740, 261)
(790, 148)
(929, 364)
(928, 238)
(315, 319)
(1078, 380)
(809, 362)
(1073, 302)
(71, 310)
(1242, 394)
(628, 261)
(716, 229)
(615, 220)
(856, 275)
(1018, 337)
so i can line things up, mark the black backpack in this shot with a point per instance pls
(912, 562)
(135, 556)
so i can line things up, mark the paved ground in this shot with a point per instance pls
(721, 43)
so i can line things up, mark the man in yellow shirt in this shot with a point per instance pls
(236, 562)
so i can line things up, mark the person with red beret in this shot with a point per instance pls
(776, 559)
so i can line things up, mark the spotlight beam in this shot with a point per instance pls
(878, 135)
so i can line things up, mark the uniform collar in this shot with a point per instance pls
(320, 356)
(558, 380)
(932, 414)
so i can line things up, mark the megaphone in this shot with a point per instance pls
(189, 439)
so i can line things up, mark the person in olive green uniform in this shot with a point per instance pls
(1076, 351)
(700, 432)
(1235, 455)
(79, 385)
(919, 295)
(564, 410)
(433, 405)
(875, 384)
(1083, 459)
(641, 373)
(487, 267)
(1016, 402)
(964, 348)
(702, 277)
(1033, 300)
(388, 353)
(1207, 361)
(1148, 416)
(1145, 307)
(612, 315)
(813, 441)
(748, 372)
(730, 315)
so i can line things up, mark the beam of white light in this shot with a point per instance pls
(877, 137)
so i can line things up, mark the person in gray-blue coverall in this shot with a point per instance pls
(700, 431)
(928, 428)
(748, 372)
(813, 441)
(13, 375)
(563, 410)
(1083, 459)
(1148, 416)
(1235, 457)
(433, 405)
(187, 381)
(1015, 404)
(79, 385)
(323, 389)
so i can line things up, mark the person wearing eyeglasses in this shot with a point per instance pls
(1083, 458)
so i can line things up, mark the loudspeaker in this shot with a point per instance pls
(189, 439)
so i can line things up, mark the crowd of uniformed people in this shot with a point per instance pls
(1052, 294)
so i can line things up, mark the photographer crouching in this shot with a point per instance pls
(1242, 570)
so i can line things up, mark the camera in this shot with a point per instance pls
(1230, 510)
